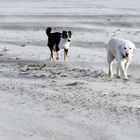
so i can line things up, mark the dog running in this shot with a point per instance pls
(58, 41)
(121, 50)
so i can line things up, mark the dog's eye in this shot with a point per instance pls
(124, 48)
(130, 48)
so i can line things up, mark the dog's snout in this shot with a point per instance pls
(127, 54)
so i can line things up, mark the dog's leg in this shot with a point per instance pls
(126, 67)
(110, 59)
(57, 52)
(123, 69)
(58, 55)
(110, 69)
(118, 70)
(52, 52)
(65, 54)
(110, 63)
(52, 55)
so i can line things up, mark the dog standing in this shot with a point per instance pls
(58, 41)
(122, 51)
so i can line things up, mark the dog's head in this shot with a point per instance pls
(128, 49)
(66, 35)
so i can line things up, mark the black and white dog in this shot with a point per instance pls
(58, 41)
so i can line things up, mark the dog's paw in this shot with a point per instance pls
(126, 78)
(110, 76)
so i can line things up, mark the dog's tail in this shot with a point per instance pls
(48, 31)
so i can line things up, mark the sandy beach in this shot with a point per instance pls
(74, 100)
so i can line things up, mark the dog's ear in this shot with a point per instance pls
(64, 34)
(70, 33)
(134, 49)
(48, 31)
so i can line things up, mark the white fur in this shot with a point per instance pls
(64, 44)
(122, 51)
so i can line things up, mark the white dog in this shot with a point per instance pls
(122, 51)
